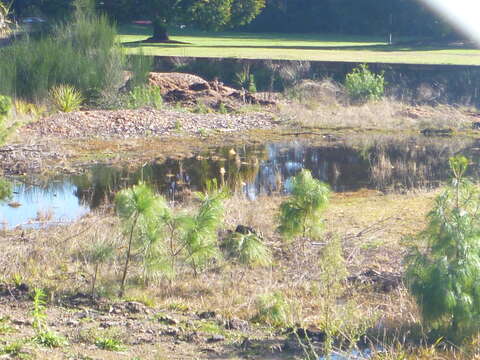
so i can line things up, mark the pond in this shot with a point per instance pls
(383, 163)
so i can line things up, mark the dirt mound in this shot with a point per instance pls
(189, 89)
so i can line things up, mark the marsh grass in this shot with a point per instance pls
(83, 53)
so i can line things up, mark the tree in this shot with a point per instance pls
(205, 15)
(300, 214)
(443, 273)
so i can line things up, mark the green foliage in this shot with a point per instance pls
(5, 190)
(66, 98)
(142, 96)
(163, 237)
(245, 79)
(5, 23)
(13, 349)
(300, 214)
(272, 309)
(363, 85)
(99, 253)
(43, 335)
(83, 53)
(333, 273)
(5, 106)
(140, 67)
(201, 108)
(443, 265)
(249, 249)
(110, 344)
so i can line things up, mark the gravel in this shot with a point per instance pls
(144, 122)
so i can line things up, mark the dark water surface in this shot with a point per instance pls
(386, 164)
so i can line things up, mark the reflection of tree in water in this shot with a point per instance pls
(173, 177)
(385, 164)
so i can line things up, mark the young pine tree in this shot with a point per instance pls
(443, 272)
(300, 215)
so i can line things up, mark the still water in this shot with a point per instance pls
(386, 164)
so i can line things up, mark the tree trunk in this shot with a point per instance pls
(160, 31)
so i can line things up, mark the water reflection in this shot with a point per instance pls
(387, 164)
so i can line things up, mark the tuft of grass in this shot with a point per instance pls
(66, 98)
(49, 339)
(142, 96)
(110, 344)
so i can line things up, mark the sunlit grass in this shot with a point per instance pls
(318, 47)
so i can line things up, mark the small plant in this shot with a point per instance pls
(5, 327)
(140, 67)
(363, 85)
(249, 249)
(222, 109)
(300, 215)
(272, 309)
(201, 108)
(142, 96)
(443, 271)
(245, 79)
(5, 106)
(14, 350)
(43, 335)
(5, 23)
(5, 190)
(100, 252)
(178, 125)
(66, 98)
(109, 344)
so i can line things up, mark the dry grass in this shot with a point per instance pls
(324, 104)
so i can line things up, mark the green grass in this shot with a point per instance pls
(320, 47)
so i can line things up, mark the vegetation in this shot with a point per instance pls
(82, 53)
(66, 98)
(444, 268)
(142, 96)
(5, 22)
(362, 85)
(300, 215)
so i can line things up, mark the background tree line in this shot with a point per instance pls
(366, 17)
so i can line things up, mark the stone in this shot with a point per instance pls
(216, 338)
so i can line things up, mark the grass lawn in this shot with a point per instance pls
(318, 47)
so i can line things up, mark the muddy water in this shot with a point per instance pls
(386, 164)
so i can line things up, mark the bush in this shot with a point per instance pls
(443, 272)
(142, 96)
(66, 98)
(5, 106)
(83, 53)
(140, 67)
(363, 85)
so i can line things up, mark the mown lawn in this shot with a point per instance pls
(318, 47)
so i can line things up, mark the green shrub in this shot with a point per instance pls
(109, 344)
(5, 106)
(443, 269)
(5, 190)
(66, 98)
(249, 249)
(142, 96)
(140, 66)
(363, 85)
(83, 53)
(272, 309)
(300, 215)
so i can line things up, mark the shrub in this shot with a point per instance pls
(272, 309)
(363, 85)
(300, 215)
(443, 272)
(249, 249)
(5, 106)
(142, 96)
(140, 66)
(66, 98)
(83, 53)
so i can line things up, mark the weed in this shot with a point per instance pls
(5, 327)
(178, 125)
(43, 336)
(201, 108)
(142, 96)
(66, 98)
(249, 249)
(222, 109)
(110, 344)
(14, 350)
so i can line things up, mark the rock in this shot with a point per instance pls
(72, 322)
(168, 320)
(245, 230)
(216, 338)
(237, 324)
(207, 315)
(135, 307)
(476, 125)
(381, 281)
